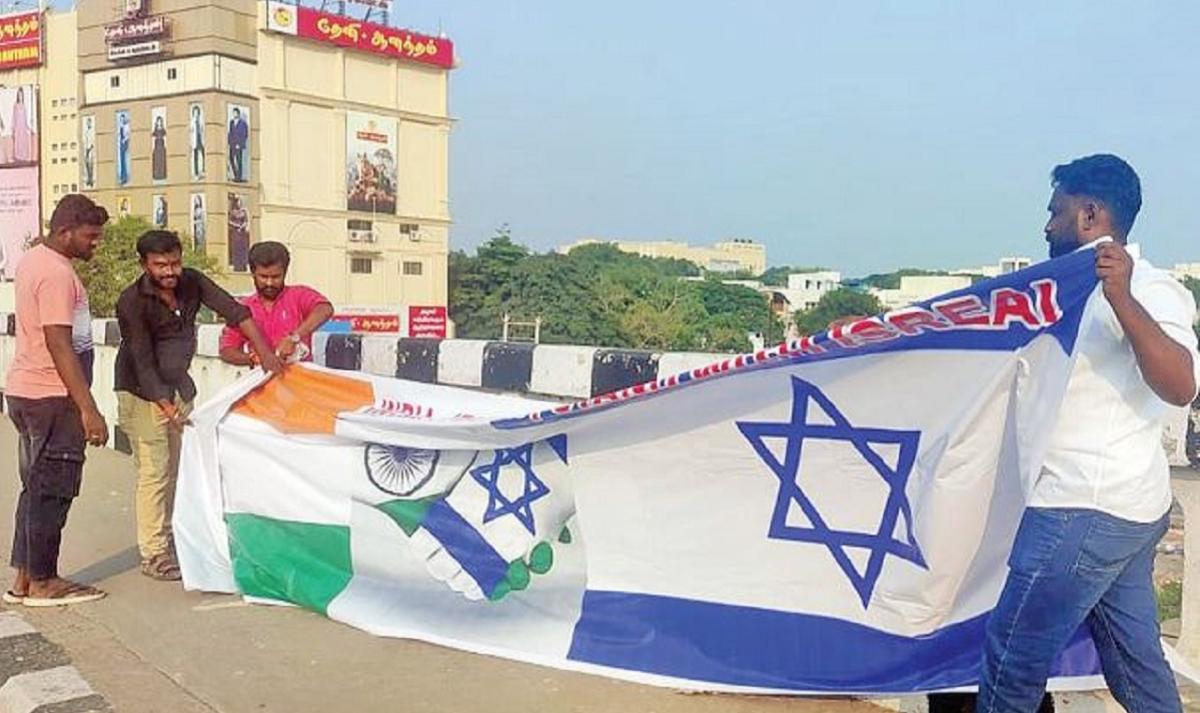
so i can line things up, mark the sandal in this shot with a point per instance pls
(161, 567)
(73, 594)
(11, 597)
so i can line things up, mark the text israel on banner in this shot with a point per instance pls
(832, 515)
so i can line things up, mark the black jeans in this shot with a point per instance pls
(50, 452)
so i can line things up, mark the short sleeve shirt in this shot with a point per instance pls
(48, 292)
(1106, 451)
(289, 310)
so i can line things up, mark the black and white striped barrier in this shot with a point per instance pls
(515, 367)
(561, 370)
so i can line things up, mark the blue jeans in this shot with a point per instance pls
(1069, 567)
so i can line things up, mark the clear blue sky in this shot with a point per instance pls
(862, 138)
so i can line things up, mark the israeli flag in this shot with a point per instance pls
(832, 515)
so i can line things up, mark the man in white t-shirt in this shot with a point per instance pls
(1084, 552)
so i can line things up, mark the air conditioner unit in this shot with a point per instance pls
(412, 231)
(362, 236)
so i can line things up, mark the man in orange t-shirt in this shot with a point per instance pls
(49, 401)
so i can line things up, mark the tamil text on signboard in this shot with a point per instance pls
(427, 322)
(364, 36)
(137, 29)
(370, 163)
(20, 40)
(137, 33)
(369, 323)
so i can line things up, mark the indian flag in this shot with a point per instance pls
(832, 515)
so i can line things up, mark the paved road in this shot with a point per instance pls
(152, 647)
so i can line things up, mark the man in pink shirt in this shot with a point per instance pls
(287, 315)
(49, 401)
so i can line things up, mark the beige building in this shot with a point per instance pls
(1006, 266)
(57, 80)
(1184, 270)
(237, 121)
(738, 255)
(918, 288)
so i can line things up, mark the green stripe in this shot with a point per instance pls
(296, 562)
(408, 514)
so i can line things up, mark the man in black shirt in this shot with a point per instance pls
(157, 316)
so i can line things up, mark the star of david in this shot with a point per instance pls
(533, 489)
(796, 430)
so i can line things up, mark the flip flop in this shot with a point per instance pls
(11, 597)
(78, 594)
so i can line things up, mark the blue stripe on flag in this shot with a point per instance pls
(747, 646)
(466, 545)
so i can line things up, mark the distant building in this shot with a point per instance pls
(238, 121)
(1005, 266)
(804, 290)
(1186, 269)
(918, 288)
(39, 127)
(738, 255)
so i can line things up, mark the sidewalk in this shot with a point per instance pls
(151, 647)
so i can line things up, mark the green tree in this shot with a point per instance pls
(833, 305)
(473, 279)
(891, 280)
(1193, 286)
(668, 318)
(115, 265)
(778, 276)
(605, 256)
(735, 305)
(599, 295)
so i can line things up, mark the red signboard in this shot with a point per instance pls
(370, 323)
(367, 37)
(427, 322)
(21, 40)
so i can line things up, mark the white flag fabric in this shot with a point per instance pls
(832, 515)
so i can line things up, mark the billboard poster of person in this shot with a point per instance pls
(158, 142)
(18, 216)
(124, 206)
(20, 184)
(197, 155)
(370, 163)
(159, 210)
(237, 140)
(239, 233)
(123, 137)
(199, 213)
(89, 151)
(18, 126)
